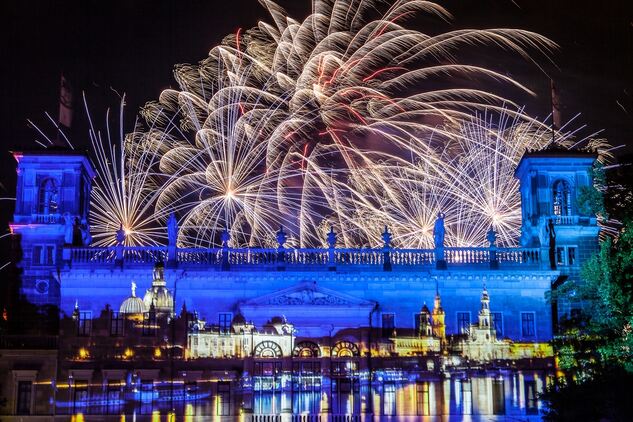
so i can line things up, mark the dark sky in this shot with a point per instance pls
(131, 46)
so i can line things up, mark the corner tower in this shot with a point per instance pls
(551, 182)
(51, 203)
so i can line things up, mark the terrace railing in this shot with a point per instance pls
(295, 257)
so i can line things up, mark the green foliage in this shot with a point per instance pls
(591, 198)
(604, 398)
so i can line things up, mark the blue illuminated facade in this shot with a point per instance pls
(316, 333)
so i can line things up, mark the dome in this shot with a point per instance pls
(158, 295)
(133, 304)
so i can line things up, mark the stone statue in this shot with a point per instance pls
(386, 237)
(133, 289)
(439, 231)
(120, 235)
(331, 238)
(281, 237)
(492, 237)
(172, 230)
(86, 238)
(68, 228)
(77, 234)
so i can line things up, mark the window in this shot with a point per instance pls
(116, 324)
(24, 394)
(560, 255)
(388, 324)
(497, 323)
(566, 255)
(149, 324)
(463, 322)
(224, 399)
(531, 403)
(561, 198)
(422, 398)
(147, 396)
(48, 197)
(571, 255)
(114, 397)
(81, 396)
(527, 324)
(84, 323)
(43, 255)
(225, 323)
(498, 397)
(306, 387)
(389, 408)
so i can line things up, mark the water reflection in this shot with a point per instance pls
(272, 392)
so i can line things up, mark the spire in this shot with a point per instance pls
(484, 313)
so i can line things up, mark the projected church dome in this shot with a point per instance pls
(158, 295)
(133, 304)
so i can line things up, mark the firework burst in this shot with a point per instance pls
(281, 124)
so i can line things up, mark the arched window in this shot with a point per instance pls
(268, 349)
(561, 194)
(345, 349)
(48, 194)
(307, 349)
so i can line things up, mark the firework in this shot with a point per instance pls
(301, 123)
(125, 189)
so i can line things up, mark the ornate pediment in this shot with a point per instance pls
(310, 294)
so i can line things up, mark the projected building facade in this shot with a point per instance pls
(310, 333)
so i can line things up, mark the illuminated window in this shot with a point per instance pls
(463, 322)
(306, 387)
(225, 323)
(147, 396)
(562, 198)
(191, 398)
(24, 395)
(84, 324)
(527, 324)
(224, 399)
(498, 397)
(422, 398)
(388, 324)
(497, 323)
(43, 255)
(48, 197)
(389, 394)
(531, 402)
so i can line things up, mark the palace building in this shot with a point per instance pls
(285, 334)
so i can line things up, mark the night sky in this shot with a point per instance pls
(108, 48)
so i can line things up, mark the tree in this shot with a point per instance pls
(595, 348)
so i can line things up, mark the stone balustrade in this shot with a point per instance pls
(294, 257)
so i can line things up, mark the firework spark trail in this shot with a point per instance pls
(340, 119)
(125, 189)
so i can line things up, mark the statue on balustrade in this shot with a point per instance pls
(172, 230)
(68, 228)
(120, 235)
(439, 231)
